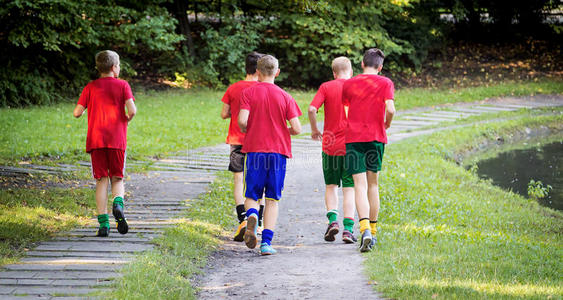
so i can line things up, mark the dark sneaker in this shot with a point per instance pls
(119, 216)
(103, 232)
(373, 241)
(365, 243)
(331, 231)
(239, 234)
(250, 232)
(348, 237)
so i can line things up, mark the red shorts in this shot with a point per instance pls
(108, 162)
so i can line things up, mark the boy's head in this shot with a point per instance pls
(342, 67)
(107, 61)
(268, 66)
(251, 62)
(373, 58)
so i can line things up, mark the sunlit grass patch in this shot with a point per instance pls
(447, 234)
(28, 216)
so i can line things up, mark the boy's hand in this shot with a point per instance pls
(316, 135)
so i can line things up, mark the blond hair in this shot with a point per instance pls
(341, 65)
(268, 65)
(105, 60)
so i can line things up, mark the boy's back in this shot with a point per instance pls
(366, 95)
(330, 94)
(105, 100)
(270, 108)
(232, 98)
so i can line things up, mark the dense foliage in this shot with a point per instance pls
(49, 45)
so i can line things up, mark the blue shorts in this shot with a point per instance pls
(264, 173)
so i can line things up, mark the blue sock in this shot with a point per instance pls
(252, 211)
(267, 236)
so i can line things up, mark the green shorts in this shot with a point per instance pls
(334, 171)
(364, 156)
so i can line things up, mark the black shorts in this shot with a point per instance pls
(236, 163)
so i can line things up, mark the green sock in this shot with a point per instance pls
(332, 215)
(103, 220)
(349, 224)
(118, 200)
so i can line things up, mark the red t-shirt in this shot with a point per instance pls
(232, 97)
(104, 99)
(330, 94)
(270, 108)
(366, 95)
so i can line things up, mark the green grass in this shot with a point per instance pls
(31, 215)
(446, 234)
(167, 271)
(177, 120)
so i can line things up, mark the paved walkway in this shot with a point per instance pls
(76, 264)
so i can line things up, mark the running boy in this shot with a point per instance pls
(231, 107)
(371, 101)
(264, 111)
(106, 99)
(334, 149)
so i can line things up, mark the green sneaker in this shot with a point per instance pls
(266, 249)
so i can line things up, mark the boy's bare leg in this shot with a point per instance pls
(238, 188)
(373, 195)
(348, 205)
(102, 195)
(270, 215)
(361, 196)
(331, 197)
(117, 187)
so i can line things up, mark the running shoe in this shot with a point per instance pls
(103, 232)
(119, 216)
(239, 234)
(365, 243)
(250, 232)
(266, 249)
(331, 231)
(373, 241)
(348, 237)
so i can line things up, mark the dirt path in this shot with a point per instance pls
(306, 266)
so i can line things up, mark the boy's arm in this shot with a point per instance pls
(315, 133)
(131, 109)
(389, 112)
(243, 119)
(226, 112)
(295, 126)
(78, 110)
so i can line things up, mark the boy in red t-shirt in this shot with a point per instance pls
(371, 101)
(334, 149)
(231, 108)
(106, 99)
(264, 111)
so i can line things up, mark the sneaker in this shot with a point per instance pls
(365, 243)
(266, 249)
(117, 212)
(239, 234)
(103, 232)
(331, 231)
(348, 237)
(250, 232)
(372, 244)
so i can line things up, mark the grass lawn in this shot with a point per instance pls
(30, 215)
(184, 119)
(446, 234)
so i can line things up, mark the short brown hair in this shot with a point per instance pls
(105, 60)
(373, 58)
(341, 64)
(251, 62)
(268, 65)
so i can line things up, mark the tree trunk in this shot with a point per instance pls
(181, 12)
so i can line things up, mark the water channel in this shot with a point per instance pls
(514, 169)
